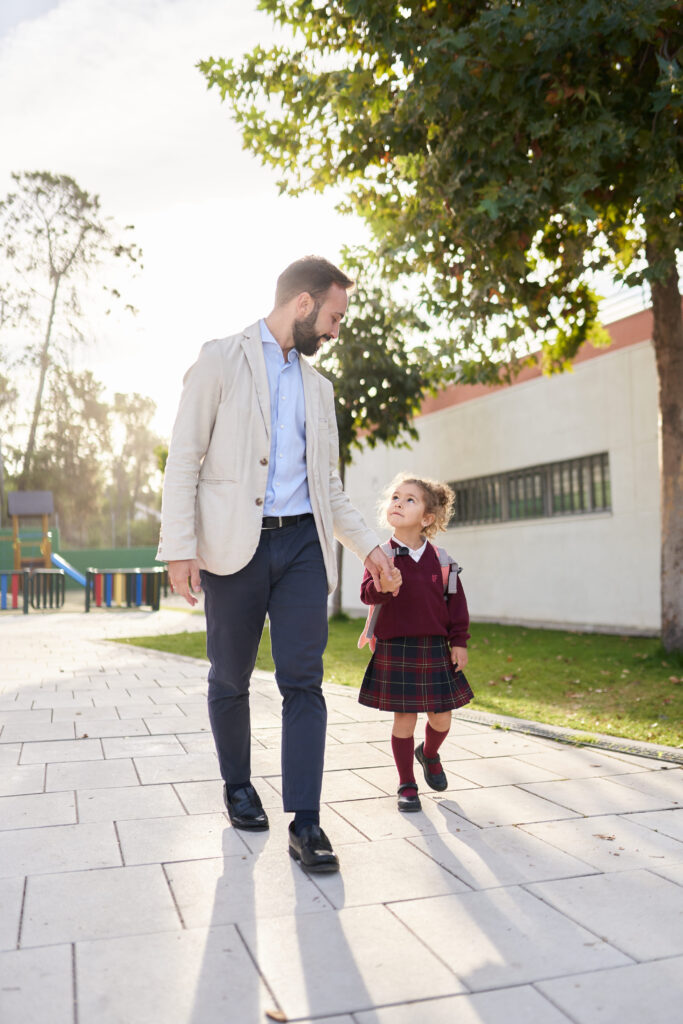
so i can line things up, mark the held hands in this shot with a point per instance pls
(459, 657)
(390, 582)
(183, 575)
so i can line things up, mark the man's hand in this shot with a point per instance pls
(390, 584)
(377, 562)
(183, 575)
(459, 657)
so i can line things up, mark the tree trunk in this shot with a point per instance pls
(337, 595)
(38, 404)
(667, 336)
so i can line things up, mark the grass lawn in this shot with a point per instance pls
(623, 686)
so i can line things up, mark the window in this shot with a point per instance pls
(571, 487)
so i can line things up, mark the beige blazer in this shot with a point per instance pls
(217, 468)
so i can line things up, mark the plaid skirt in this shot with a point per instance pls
(413, 673)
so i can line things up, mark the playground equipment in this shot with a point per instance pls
(31, 505)
(39, 589)
(125, 587)
(68, 568)
(13, 583)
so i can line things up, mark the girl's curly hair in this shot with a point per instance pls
(439, 500)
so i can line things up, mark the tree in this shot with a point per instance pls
(506, 152)
(380, 378)
(53, 236)
(134, 464)
(69, 456)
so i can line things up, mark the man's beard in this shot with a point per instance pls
(307, 341)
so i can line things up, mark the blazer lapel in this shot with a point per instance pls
(311, 398)
(253, 350)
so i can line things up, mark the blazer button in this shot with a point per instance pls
(259, 501)
(264, 461)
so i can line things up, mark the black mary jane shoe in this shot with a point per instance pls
(408, 803)
(312, 849)
(437, 781)
(245, 809)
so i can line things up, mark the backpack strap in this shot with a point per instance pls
(449, 571)
(368, 634)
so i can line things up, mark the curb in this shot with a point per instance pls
(573, 737)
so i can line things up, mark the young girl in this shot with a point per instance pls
(420, 632)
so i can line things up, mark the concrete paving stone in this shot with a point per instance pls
(119, 700)
(178, 768)
(111, 728)
(596, 796)
(265, 762)
(636, 911)
(386, 779)
(11, 898)
(498, 743)
(492, 857)
(81, 714)
(623, 995)
(369, 950)
(205, 797)
(230, 890)
(161, 694)
(356, 732)
(653, 764)
(196, 742)
(60, 751)
(8, 717)
(149, 712)
(21, 732)
(580, 763)
(128, 802)
(339, 832)
(60, 700)
(141, 746)
(90, 775)
(17, 780)
(505, 805)
(450, 751)
(674, 873)
(37, 810)
(186, 837)
(12, 702)
(202, 976)
(339, 785)
(37, 985)
(522, 1003)
(508, 937)
(160, 724)
(111, 902)
(609, 842)
(383, 872)
(380, 818)
(667, 786)
(503, 771)
(356, 755)
(9, 754)
(38, 851)
(669, 823)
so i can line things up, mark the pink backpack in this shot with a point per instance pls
(449, 572)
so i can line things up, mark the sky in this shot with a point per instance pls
(107, 92)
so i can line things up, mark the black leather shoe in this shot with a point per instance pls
(245, 809)
(438, 781)
(408, 803)
(312, 849)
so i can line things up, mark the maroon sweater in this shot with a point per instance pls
(419, 608)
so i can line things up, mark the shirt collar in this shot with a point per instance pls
(268, 338)
(416, 555)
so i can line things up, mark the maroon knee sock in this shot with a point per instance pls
(402, 748)
(433, 741)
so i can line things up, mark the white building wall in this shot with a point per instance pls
(596, 571)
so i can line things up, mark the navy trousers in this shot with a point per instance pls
(286, 580)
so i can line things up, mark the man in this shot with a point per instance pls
(252, 503)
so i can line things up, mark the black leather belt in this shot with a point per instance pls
(277, 522)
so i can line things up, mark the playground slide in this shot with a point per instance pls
(62, 563)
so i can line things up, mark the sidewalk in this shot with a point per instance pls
(544, 887)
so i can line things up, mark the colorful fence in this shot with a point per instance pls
(46, 588)
(14, 590)
(125, 588)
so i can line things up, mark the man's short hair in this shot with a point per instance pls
(311, 274)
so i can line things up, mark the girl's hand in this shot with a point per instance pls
(390, 582)
(459, 657)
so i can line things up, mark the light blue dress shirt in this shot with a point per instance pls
(287, 488)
